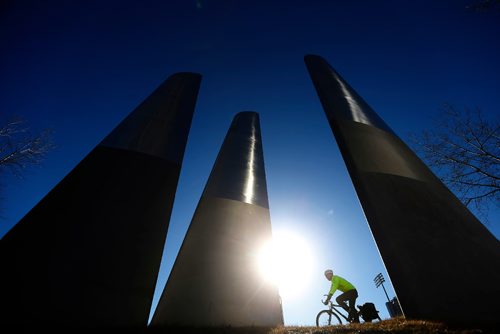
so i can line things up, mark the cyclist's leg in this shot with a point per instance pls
(353, 313)
(349, 296)
(341, 300)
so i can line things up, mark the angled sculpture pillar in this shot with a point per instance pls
(214, 281)
(88, 253)
(444, 264)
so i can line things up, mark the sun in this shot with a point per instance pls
(287, 262)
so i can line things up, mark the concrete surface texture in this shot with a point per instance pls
(443, 263)
(215, 280)
(88, 254)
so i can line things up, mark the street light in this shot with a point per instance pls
(392, 306)
(379, 280)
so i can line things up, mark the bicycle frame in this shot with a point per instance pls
(333, 311)
(334, 308)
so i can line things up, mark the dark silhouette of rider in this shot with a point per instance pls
(349, 294)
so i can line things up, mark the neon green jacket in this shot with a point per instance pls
(340, 284)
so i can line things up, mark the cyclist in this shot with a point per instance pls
(349, 294)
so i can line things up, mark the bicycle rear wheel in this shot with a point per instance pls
(327, 318)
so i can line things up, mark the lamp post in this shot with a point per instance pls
(392, 305)
(379, 280)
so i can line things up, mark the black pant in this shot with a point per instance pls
(349, 296)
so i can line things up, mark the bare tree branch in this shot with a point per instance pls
(19, 148)
(464, 151)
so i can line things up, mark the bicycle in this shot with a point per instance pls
(331, 316)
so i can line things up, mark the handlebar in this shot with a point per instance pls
(330, 302)
(323, 301)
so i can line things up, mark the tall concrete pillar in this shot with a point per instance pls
(444, 264)
(215, 281)
(88, 254)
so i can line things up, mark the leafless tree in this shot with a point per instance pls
(464, 151)
(20, 148)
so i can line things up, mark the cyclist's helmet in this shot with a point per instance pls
(328, 271)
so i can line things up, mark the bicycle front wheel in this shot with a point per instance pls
(327, 318)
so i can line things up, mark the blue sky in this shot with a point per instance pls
(80, 68)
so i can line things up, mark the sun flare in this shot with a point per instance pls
(287, 262)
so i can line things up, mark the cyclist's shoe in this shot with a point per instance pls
(353, 317)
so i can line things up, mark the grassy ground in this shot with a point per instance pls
(398, 325)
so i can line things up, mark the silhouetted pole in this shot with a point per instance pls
(443, 263)
(215, 280)
(392, 305)
(379, 281)
(88, 254)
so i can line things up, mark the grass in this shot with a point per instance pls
(396, 325)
